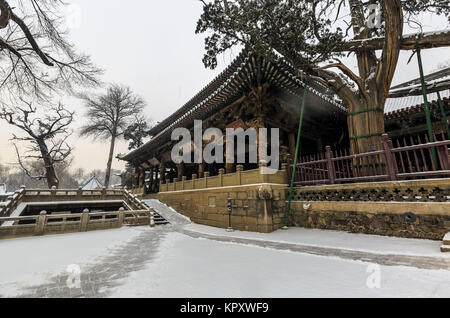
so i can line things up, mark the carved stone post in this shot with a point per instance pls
(221, 173)
(121, 217)
(206, 176)
(40, 223)
(84, 220)
(80, 192)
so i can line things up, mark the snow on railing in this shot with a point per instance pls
(48, 195)
(70, 223)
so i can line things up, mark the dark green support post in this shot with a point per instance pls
(444, 115)
(425, 100)
(297, 148)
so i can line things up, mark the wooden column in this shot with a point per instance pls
(136, 178)
(162, 171)
(141, 177)
(180, 171)
(229, 167)
(150, 179)
(201, 170)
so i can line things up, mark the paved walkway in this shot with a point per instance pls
(99, 280)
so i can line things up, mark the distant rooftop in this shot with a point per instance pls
(92, 184)
(437, 81)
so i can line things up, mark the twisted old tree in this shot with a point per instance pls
(37, 62)
(313, 34)
(46, 132)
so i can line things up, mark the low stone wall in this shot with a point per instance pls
(240, 177)
(256, 208)
(412, 209)
(410, 220)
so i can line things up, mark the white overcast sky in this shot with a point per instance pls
(152, 47)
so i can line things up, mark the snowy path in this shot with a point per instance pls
(188, 260)
(99, 277)
(191, 267)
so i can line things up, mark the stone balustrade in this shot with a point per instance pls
(44, 224)
(140, 213)
(239, 178)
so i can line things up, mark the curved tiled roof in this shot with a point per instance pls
(243, 71)
(413, 102)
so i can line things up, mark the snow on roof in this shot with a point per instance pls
(92, 184)
(434, 81)
(403, 103)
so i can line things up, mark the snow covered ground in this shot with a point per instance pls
(199, 261)
(335, 239)
(187, 267)
(26, 262)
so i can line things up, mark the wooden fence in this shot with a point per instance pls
(427, 160)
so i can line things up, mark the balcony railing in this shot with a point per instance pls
(421, 161)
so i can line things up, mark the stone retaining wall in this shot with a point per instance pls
(256, 208)
(400, 219)
(412, 209)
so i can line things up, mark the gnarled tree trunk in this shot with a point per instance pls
(50, 172)
(110, 159)
(366, 116)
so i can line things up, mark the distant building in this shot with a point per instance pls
(405, 109)
(92, 184)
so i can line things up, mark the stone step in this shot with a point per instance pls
(445, 249)
(159, 220)
(447, 239)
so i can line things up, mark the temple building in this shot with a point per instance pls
(251, 93)
(332, 186)
(405, 109)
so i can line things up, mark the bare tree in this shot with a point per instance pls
(46, 135)
(109, 115)
(35, 56)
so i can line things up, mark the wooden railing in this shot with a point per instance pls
(69, 223)
(389, 164)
